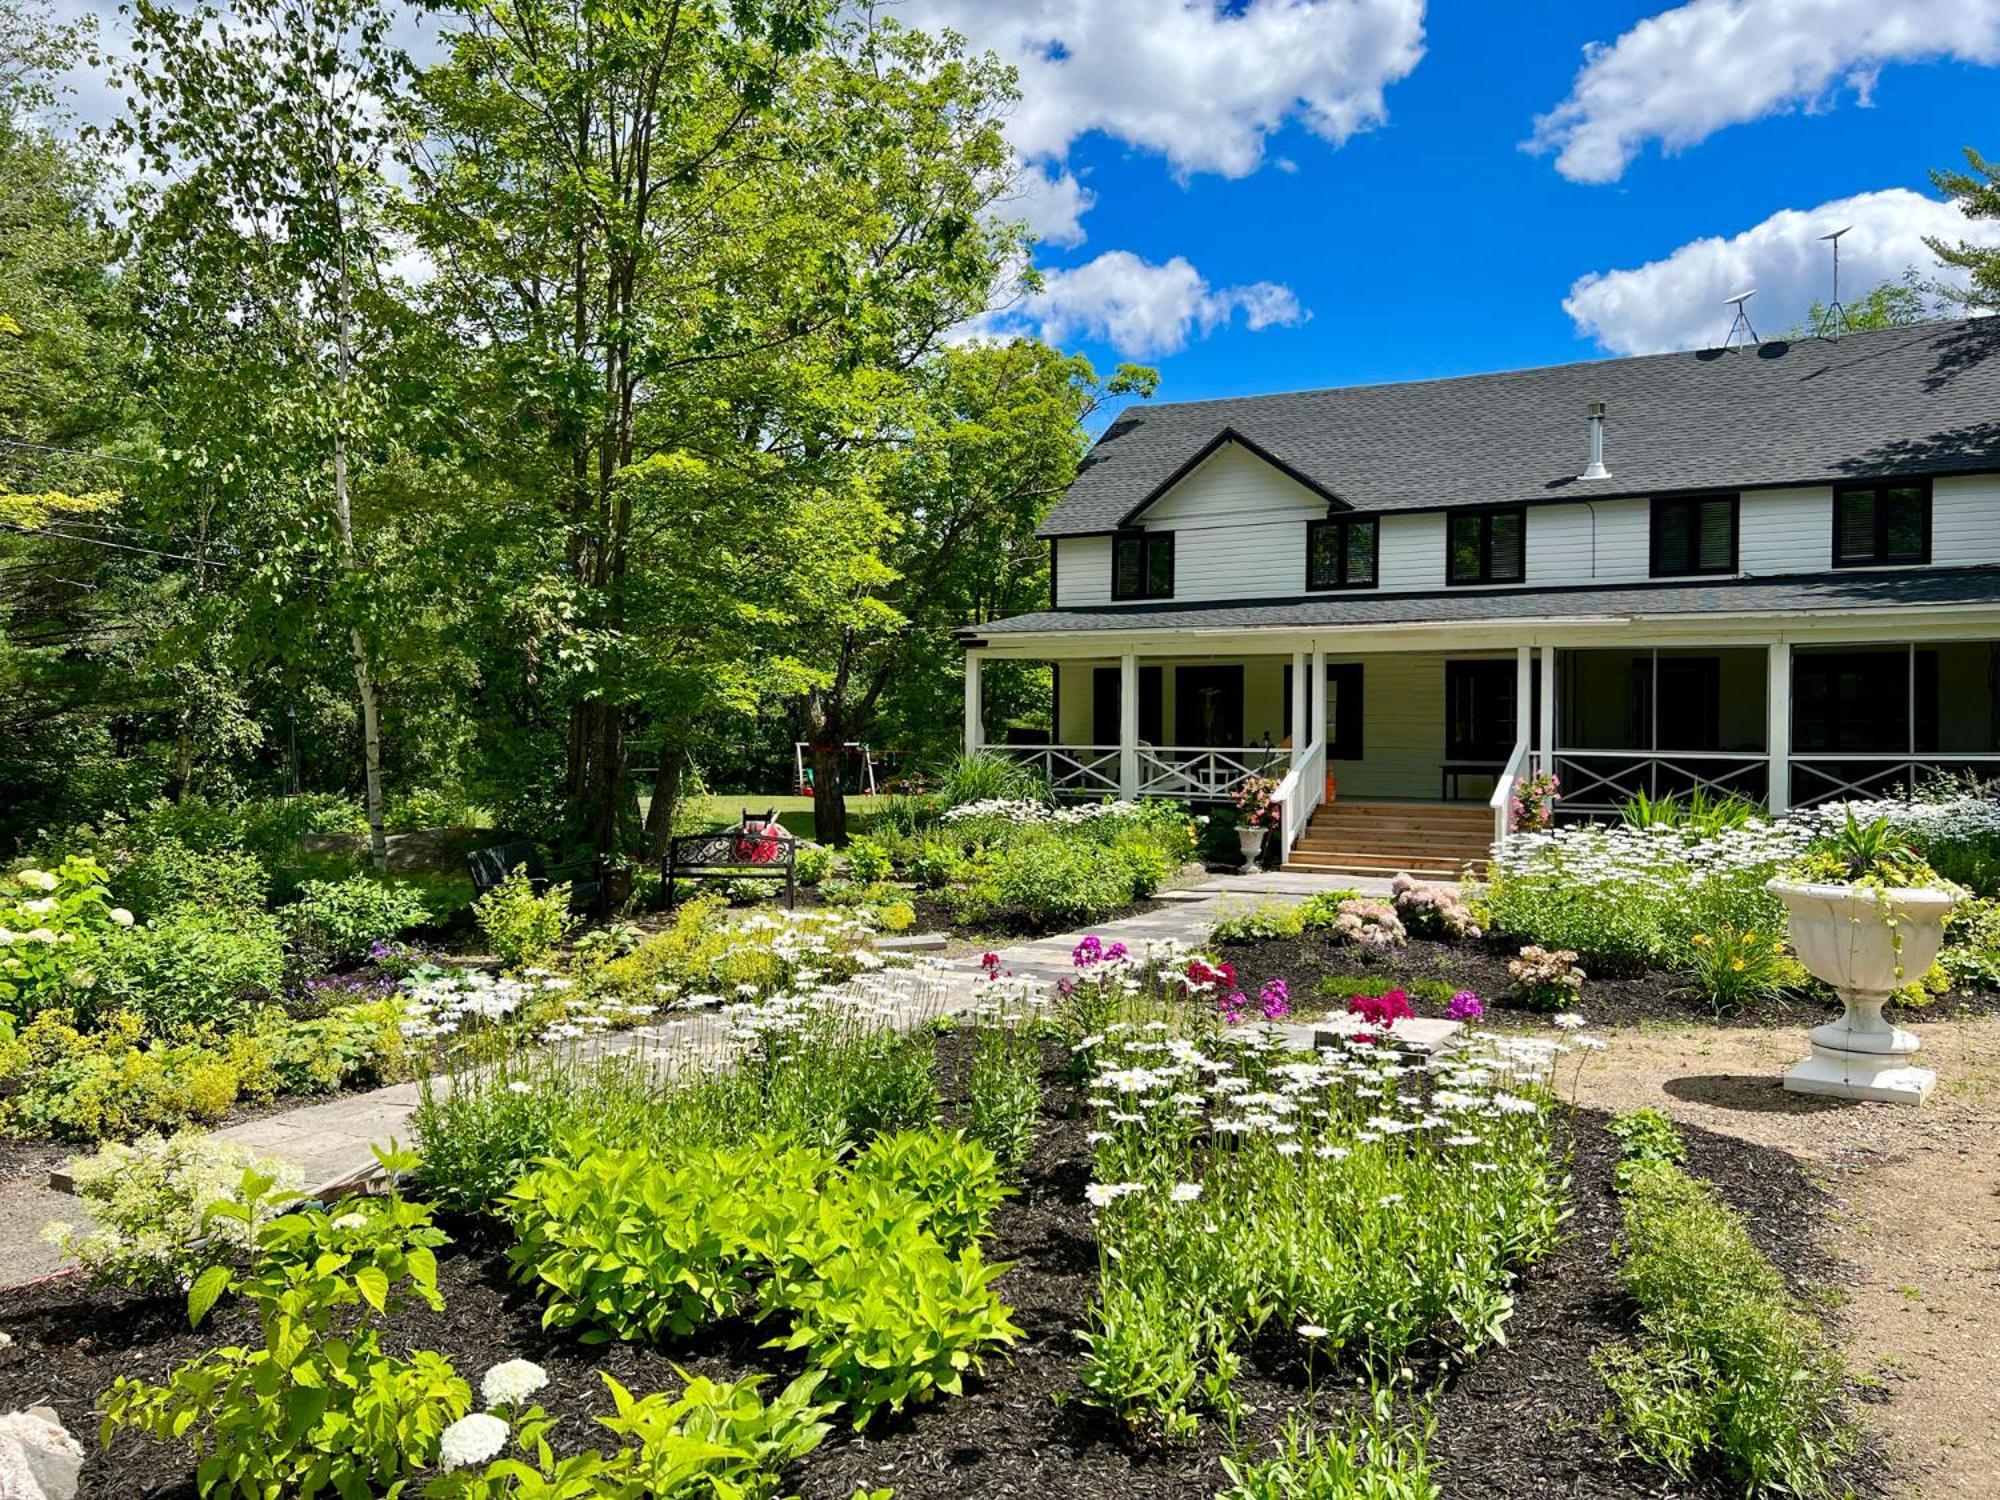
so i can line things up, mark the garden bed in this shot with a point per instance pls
(1519, 1419)
(1608, 999)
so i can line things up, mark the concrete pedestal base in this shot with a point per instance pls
(1886, 1078)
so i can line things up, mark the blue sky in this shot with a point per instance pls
(1701, 149)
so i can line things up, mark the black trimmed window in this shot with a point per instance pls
(1142, 565)
(1694, 534)
(1486, 546)
(1881, 524)
(1341, 552)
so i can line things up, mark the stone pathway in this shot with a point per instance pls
(331, 1142)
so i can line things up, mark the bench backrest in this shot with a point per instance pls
(490, 867)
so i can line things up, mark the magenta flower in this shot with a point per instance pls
(1465, 1006)
(1277, 1000)
(1115, 951)
(1089, 950)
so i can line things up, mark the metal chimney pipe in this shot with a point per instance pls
(1595, 468)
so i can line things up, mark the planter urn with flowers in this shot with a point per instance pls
(1256, 815)
(1867, 935)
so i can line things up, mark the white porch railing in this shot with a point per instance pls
(1202, 773)
(1502, 800)
(1070, 770)
(1603, 781)
(1300, 793)
(1839, 777)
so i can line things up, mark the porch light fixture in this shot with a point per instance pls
(1595, 468)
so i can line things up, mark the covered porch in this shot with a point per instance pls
(1789, 720)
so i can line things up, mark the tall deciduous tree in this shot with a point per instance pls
(1976, 191)
(996, 432)
(691, 252)
(260, 236)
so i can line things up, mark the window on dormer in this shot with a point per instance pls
(1340, 553)
(1879, 524)
(1142, 565)
(1486, 546)
(1694, 534)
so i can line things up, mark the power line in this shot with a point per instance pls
(110, 458)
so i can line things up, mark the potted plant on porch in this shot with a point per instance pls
(1867, 917)
(1256, 816)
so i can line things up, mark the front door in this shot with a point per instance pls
(1208, 706)
(1479, 710)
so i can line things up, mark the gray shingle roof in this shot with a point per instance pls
(1921, 400)
(1936, 586)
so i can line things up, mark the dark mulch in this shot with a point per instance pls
(1609, 998)
(1522, 1421)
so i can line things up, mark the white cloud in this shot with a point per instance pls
(1202, 85)
(1680, 76)
(1676, 302)
(1052, 202)
(1142, 309)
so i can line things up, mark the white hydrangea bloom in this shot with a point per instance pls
(512, 1382)
(471, 1440)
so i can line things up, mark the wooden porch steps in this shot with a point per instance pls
(1431, 840)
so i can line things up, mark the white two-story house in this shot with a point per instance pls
(1772, 570)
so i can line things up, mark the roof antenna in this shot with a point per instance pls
(1742, 318)
(1833, 319)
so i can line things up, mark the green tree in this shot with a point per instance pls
(994, 437)
(691, 252)
(1891, 304)
(1976, 191)
(259, 236)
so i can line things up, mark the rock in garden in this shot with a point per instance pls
(39, 1460)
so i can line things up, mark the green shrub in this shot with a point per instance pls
(812, 863)
(1363, 1463)
(1644, 1135)
(148, 1203)
(49, 917)
(191, 970)
(1727, 1372)
(317, 1395)
(1319, 911)
(167, 875)
(1267, 919)
(521, 927)
(896, 1086)
(1735, 968)
(1971, 955)
(1051, 881)
(334, 923)
(981, 776)
(868, 861)
(955, 1181)
(932, 863)
(426, 808)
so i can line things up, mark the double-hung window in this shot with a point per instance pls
(1694, 534)
(1341, 552)
(1142, 565)
(1486, 546)
(1879, 524)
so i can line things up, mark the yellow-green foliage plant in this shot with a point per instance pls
(524, 928)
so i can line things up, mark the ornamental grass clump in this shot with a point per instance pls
(1727, 1373)
(1734, 968)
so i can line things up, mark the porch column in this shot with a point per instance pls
(1301, 729)
(1548, 714)
(1128, 728)
(1319, 695)
(1778, 726)
(1524, 698)
(975, 723)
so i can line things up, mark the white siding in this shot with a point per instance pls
(1233, 483)
(1965, 520)
(1598, 542)
(1412, 552)
(1785, 531)
(1239, 528)
(1083, 570)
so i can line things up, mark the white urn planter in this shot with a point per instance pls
(1251, 841)
(1844, 935)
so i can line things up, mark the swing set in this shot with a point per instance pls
(802, 776)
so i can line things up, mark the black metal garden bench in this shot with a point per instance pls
(757, 848)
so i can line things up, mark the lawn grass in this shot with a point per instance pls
(796, 813)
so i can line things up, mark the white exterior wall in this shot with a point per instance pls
(1240, 533)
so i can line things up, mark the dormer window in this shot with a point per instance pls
(1142, 565)
(1486, 546)
(1341, 552)
(1878, 525)
(1694, 534)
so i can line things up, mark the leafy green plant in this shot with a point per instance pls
(1266, 919)
(868, 861)
(812, 863)
(932, 862)
(1366, 1462)
(193, 969)
(1644, 1135)
(896, 1087)
(892, 1318)
(524, 928)
(955, 1182)
(334, 923)
(1727, 1372)
(150, 1226)
(1004, 1089)
(167, 874)
(1971, 953)
(44, 916)
(318, 1406)
(1734, 968)
(1866, 853)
